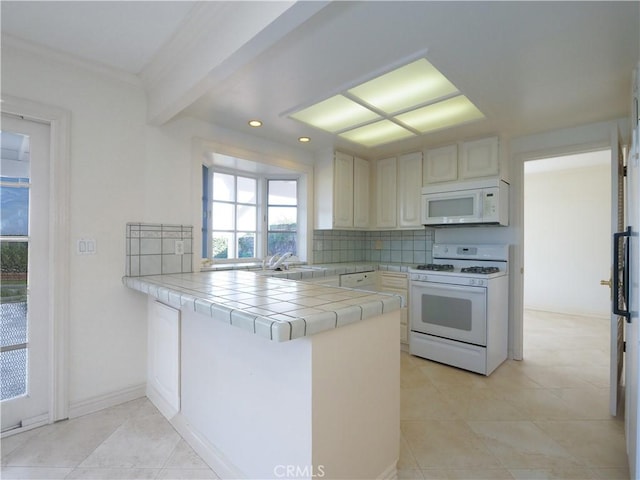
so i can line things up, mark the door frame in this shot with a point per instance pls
(59, 121)
(583, 139)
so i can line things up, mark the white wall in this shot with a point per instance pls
(122, 170)
(567, 238)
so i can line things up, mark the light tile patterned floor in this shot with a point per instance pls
(543, 418)
(127, 442)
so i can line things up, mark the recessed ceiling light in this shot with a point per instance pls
(304, 139)
(255, 123)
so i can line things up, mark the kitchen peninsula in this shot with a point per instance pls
(270, 377)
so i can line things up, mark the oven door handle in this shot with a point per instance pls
(448, 287)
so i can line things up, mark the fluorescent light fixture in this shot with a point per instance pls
(255, 123)
(414, 84)
(335, 114)
(304, 139)
(413, 99)
(447, 113)
(378, 133)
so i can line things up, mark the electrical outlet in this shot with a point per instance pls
(179, 250)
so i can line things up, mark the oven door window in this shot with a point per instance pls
(450, 311)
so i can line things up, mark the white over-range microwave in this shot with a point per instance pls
(473, 202)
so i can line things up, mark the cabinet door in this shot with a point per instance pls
(163, 357)
(479, 158)
(361, 174)
(343, 190)
(409, 189)
(440, 165)
(386, 193)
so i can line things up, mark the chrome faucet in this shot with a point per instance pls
(276, 261)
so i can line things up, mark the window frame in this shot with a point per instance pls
(267, 231)
(261, 245)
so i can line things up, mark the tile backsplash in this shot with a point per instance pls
(396, 246)
(153, 249)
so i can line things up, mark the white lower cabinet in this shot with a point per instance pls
(397, 282)
(163, 357)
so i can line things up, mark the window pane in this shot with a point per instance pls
(283, 218)
(224, 187)
(14, 211)
(13, 364)
(222, 216)
(247, 191)
(246, 218)
(246, 245)
(283, 192)
(220, 244)
(281, 243)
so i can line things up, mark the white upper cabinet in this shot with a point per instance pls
(386, 193)
(409, 190)
(342, 192)
(361, 182)
(440, 164)
(466, 160)
(479, 158)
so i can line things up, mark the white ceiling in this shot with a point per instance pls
(529, 66)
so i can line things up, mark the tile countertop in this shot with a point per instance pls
(279, 309)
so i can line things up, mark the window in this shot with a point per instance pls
(282, 216)
(246, 217)
(234, 216)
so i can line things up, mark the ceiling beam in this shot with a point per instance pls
(216, 40)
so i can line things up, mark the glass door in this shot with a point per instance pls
(24, 321)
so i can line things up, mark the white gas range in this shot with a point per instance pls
(459, 307)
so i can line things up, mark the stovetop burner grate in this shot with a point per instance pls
(436, 267)
(479, 269)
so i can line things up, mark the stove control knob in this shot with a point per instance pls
(472, 281)
(481, 282)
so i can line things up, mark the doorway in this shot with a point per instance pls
(25, 388)
(567, 252)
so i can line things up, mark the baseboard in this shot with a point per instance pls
(166, 409)
(390, 473)
(541, 309)
(100, 402)
(205, 449)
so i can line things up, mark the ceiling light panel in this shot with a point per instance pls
(377, 133)
(445, 114)
(410, 86)
(335, 114)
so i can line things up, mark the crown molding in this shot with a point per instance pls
(200, 20)
(9, 41)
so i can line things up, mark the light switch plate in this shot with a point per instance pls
(86, 246)
(179, 250)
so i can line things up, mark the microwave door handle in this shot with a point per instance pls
(621, 274)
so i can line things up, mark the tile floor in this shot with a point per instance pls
(543, 418)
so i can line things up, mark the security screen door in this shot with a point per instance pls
(24, 225)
